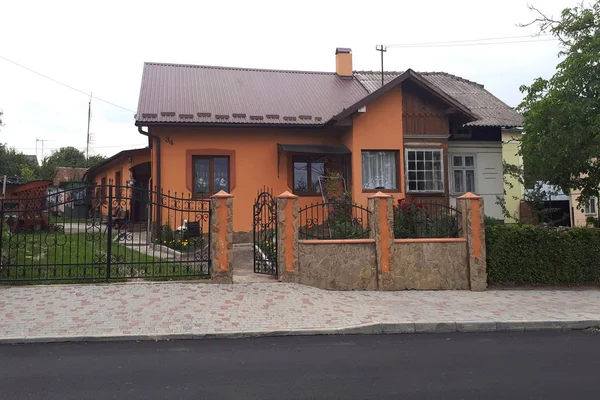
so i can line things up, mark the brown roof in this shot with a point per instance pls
(490, 110)
(32, 158)
(202, 94)
(67, 174)
(176, 93)
(95, 168)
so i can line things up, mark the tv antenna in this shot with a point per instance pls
(381, 48)
(87, 146)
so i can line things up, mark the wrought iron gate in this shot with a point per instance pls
(96, 233)
(265, 233)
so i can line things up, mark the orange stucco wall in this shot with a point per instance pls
(122, 164)
(379, 128)
(253, 160)
(253, 154)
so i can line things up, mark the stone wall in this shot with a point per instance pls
(428, 265)
(344, 265)
(382, 263)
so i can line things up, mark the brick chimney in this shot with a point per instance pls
(343, 62)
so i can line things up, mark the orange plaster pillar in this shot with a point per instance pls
(287, 237)
(221, 237)
(382, 223)
(473, 229)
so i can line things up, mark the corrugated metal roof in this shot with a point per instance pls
(67, 174)
(178, 93)
(203, 94)
(490, 110)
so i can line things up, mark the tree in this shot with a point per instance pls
(93, 160)
(67, 157)
(14, 163)
(562, 114)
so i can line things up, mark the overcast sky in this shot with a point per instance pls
(100, 47)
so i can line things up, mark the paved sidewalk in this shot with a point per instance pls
(188, 310)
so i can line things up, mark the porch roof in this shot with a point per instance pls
(315, 148)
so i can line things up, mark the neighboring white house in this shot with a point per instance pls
(477, 167)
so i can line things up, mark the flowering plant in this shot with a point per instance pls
(340, 219)
(413, 219)
(178, 240)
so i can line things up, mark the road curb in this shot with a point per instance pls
(365, 329)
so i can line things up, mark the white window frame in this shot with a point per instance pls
(432, 149)
(587, 209)
(463, 168)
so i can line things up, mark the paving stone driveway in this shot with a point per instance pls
(143, 310)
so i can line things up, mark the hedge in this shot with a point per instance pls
(530, 255)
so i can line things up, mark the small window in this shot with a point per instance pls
(463, 173)
(424, 170)
(118, 184)
(103, 186)
(591, 207)
(462, 133)
(380, 170)
(211, 175)
(306, 173)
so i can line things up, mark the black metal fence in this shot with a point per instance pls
(265, 233)
(334, 220)
(104, 233)
(425, 220)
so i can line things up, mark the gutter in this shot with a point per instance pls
(158, 187)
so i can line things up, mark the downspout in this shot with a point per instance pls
(158, 187)
(157, 155)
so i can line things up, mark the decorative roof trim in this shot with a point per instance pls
(413, 76)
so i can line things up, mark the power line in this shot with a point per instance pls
(80, 148)
(476, 42)
(65, 85)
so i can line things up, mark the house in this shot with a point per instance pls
(66, 191)
(126, 168)
(513, 188)
(432, 136)
(32, 158)
(580, 216)
(66, 175)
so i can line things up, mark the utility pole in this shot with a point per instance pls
(382, 49)
(40, 140)
(87, 146)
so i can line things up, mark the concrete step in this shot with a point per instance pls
(243, 265)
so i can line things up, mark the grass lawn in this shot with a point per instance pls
(54, 219)
(42, 256)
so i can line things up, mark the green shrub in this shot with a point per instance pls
(489, 221)
(530, 255)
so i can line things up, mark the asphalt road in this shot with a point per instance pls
(549, 365)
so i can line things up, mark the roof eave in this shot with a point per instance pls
(415, 77)
(232, 124)
(110, 159)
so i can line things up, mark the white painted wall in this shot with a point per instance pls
(489, 181)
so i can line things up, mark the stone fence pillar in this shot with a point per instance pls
(287, 237)
(473, 229)
(221, 237)
(382, 230)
